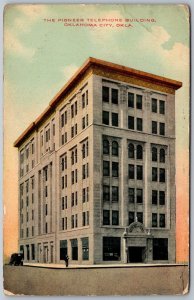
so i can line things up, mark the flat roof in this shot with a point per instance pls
(89, 63)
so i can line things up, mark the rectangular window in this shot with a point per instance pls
(154, 105)
(106, 217)
(74, 249)
(72, 131)
(154, 220)
(162, 107)
(62, 182)
(154, 197)
(105, 94)
(75, 108)
(62, 203)
(65, 117)
(162, 129)
(139, 196)
(87, 218)
(162, 220)
(139, 124)
(106, 168)
(114, 96)
(115, 193)
(130, 122)
(131, 100)
(154, 127)
(62, 224)
(131, 195)
(140, 217)
(87, 97)
(139, 101)
(115, 217)
(72, 221)
(162, 175)
(162, 198)
(84, 218)
(160, 249)
(131, 217)
(62, 139)
(72, 111)
(115, 120)
(106, 193)
(131, 171)
(84, 195)
(115, 169)
(105, 117)
(139, 172)
(62, 120)
(83, 101)
(85, 248)
(154, 174)
(63, 249)
(111, 248)
(83, 123)
(72, 199)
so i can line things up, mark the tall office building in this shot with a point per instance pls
(97, 170)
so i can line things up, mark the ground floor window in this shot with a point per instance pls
(85, 248)
(33, 251)
(27, 252)
(63, 249)
(22, 250)
(160, 249)
(111, 248)
(74, 249)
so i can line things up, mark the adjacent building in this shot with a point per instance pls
(97, 170)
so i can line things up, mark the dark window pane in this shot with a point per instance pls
(131, 151)
(74, 249)
(115, 217)
(154, 127)
(154, 154)
(154, 105)
(106, 217)
(115, 148)
(162, 129)
(162, 175)
(131, 171)
(105, 147)
(131, 195)
(139, 172)
(139, 154)
(85, 248)
(106, 168)
(130, 122)
(162, 107)
(115, 169)
(111, 248)
(105, 117)
(139, 124)
(106, 193)
(139, 196)
(130, 100)
(162, 220)
(160, 249)
(138, 101)
(154, 197)
(154, 174)
(114, 96)
(115, 120)
(63, 249)
(115, 193)
(162, 155)
(154, 220)
(162, 198)
(140, 217)
(105, 94)
(131, 217)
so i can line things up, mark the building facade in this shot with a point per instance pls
(97, 170)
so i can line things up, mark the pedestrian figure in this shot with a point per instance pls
(66, 260)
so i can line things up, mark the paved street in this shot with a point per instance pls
(96, 280)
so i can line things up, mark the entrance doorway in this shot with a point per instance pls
(136, 254)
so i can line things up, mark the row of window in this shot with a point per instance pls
(74, 249)
(158, 220)
(74, 198)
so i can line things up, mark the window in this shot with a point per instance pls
(162, 107)
(72, 221)
(85, 248)
(162, 155)
(160, 249)
(84, 195)
(105, 146)
(139, 124)
(131, 171)
(62, 139)
(46, 209)
(154, 105)
(115, 120)
(83, 123)
(65, 117)
(106, 168)
(139, 152)
(83, 100)
(72, 177)
(62, 223)
(162, 129)
(46, 227)
(62, 182)
(131, 217)
(87, 97)
(154, 197)
(105, 94)
(130, 122)
(140, 217)
(76, 221)
(74, 249)
(105, 117)
(72, 131)
(106, 217)
(154, 174)
(131, 195)
(154, 154)
(139, 172)
(162, 198)
(87, 218)
(162, 175)
(162, 220)
(75, 108)
(111, 248)
(87, 120)
(85, 171)
(115, 217)
(114, 96)
(131, 151)
(72, 111)
(72, 199)
(46, 190)
(154, 220)
(115, 193)
(75, 128)
(63, 249)
(139, 101)
(130, 100)
(115, 148)
(154, 127)
(139, 196)
(106, 193)
(62, 203)
(84, 218)
(115, 169)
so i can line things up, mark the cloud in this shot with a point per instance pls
(69, 71)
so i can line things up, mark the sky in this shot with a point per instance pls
(40, 56)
